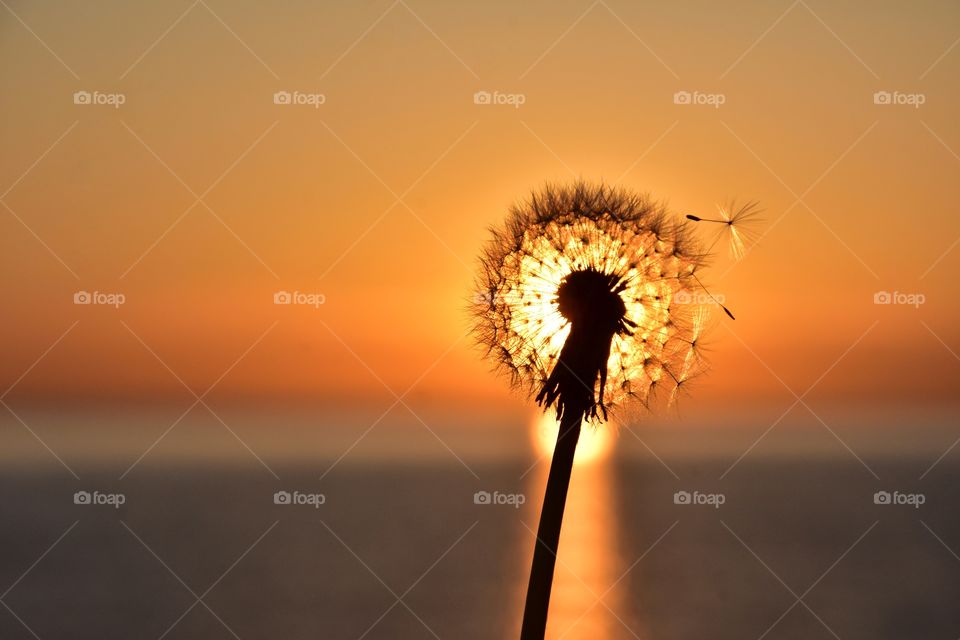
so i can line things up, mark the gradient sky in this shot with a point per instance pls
(858, 197)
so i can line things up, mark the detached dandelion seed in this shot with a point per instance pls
(739, 224)
(583, 299)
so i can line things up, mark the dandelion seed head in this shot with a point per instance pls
(645, 256)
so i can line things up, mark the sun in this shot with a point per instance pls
(595, 444)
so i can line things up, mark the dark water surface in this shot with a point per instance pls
(798, 549)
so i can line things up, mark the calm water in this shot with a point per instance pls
(404, 552)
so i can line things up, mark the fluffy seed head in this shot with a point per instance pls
(647, 257)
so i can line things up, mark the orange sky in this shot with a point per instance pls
(305, 199)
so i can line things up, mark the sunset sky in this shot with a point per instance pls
(198, 198)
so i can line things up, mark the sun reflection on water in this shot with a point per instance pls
(595, 444)
(587, 601)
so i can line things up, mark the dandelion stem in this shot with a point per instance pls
(591, 302)
(548, 533)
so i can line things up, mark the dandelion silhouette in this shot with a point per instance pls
(583, 299)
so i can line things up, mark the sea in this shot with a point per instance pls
(656, 545)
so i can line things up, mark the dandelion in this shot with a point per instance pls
(584, 300)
